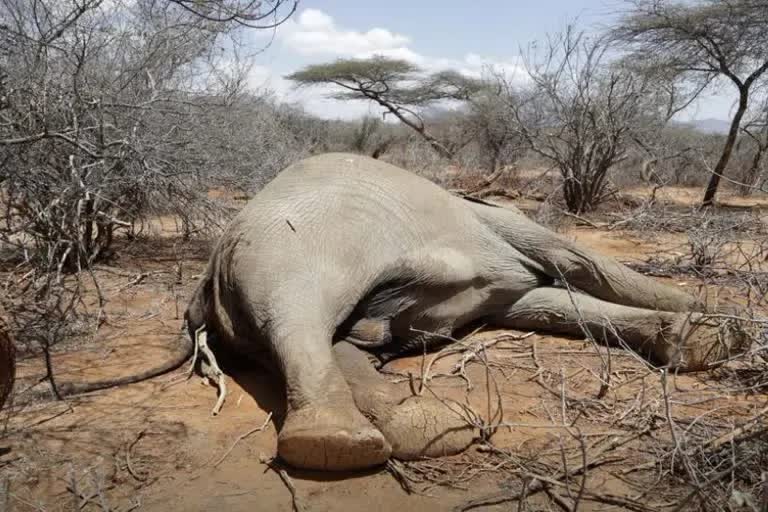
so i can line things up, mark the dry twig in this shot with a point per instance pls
(263, 427)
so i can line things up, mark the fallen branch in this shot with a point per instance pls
(540, 482)
(296, 501)
(128, 463)
(243, 436)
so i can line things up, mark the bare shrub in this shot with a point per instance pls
(582, 112)
(111, 113)
(755, 136)
(251, 140)
(365, 134)
(416, 155)
(706, 246)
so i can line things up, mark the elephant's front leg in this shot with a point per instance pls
(415, 426)
(322, 429)
(683, 341)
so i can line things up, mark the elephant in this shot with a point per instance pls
(342, 259)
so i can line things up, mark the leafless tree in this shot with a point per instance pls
(110, 111)
(491, 120)
(703, 41)
(582, 112)
(248, 13)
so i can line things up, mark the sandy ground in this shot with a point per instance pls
(155, 445)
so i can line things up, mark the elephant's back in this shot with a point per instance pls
(329, 227)
(339, 196)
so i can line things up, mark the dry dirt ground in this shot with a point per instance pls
(594, 424)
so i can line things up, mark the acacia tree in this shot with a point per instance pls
(704, 41)
(400, 87)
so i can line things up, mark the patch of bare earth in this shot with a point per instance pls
(573, 423)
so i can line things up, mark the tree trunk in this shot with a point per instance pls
(752, 176)
(730, 141)
(419, 128)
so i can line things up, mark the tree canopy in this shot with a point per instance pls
(397, 85)
(704, 41)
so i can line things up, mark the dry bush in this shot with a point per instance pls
(582, 113)
(371, 136)
(750, 154)
(679, 156)
(112, 113)
(251, 141)
(417, 156)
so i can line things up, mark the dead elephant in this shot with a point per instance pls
(342, 252)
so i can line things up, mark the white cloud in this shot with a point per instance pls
(314, 19)
(315, 33)
(261, 77)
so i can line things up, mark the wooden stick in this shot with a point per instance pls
(243, 436)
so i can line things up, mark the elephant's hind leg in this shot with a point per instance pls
(683, 341)
(415, 426)
(581, 267)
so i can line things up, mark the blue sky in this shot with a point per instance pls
(434, 34)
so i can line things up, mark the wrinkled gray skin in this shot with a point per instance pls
(343, 248)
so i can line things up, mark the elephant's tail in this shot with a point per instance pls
(65, 389)
(212, 305)
(198, 310)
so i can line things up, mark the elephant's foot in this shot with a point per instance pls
(426, 427)
(696, 342)
(415, 426)
(331, 438)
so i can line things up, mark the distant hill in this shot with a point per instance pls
(709, 125)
